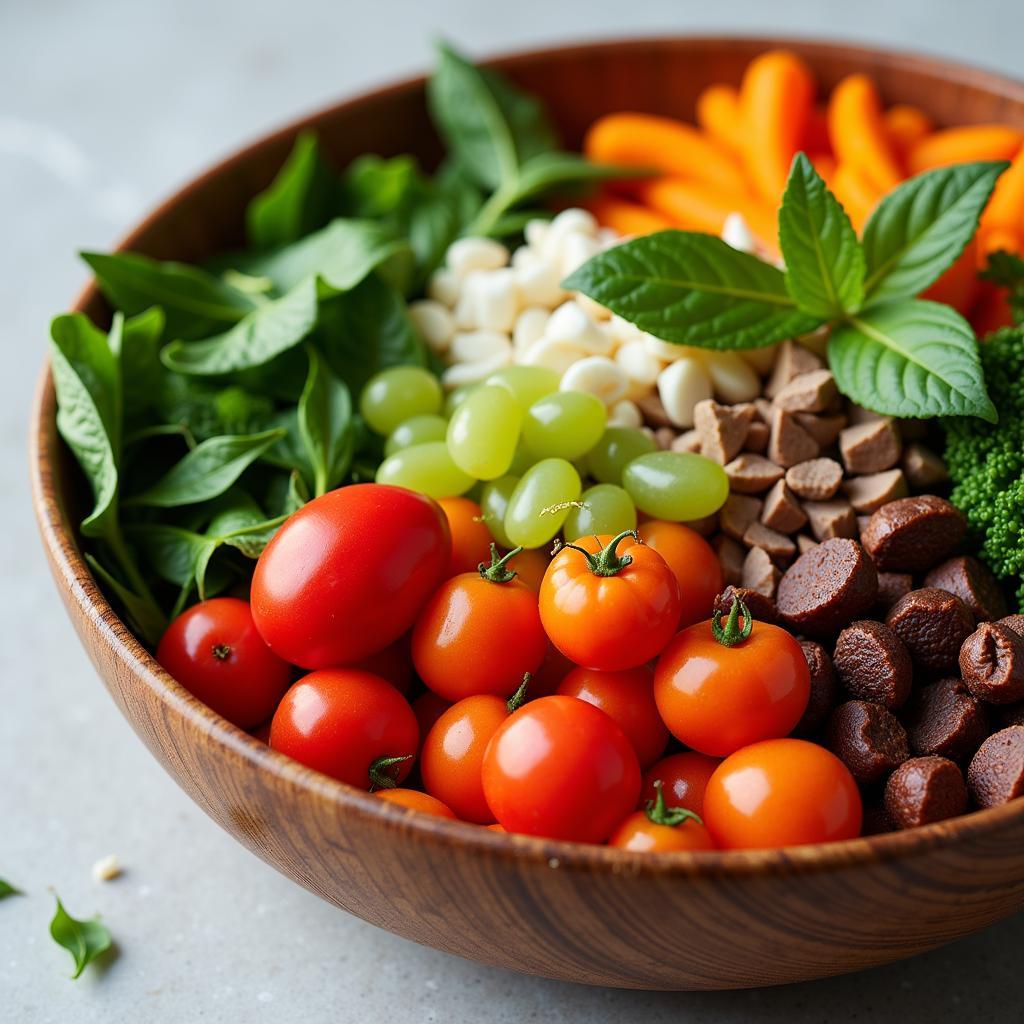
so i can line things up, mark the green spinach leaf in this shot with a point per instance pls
(325, 424)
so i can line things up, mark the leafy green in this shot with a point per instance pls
(325, 425)
(84, 940)
(1007, 270)
(207, 408)
(140, 359)
(376, 188)
(6, 889)
(824, 260)
(142, 613)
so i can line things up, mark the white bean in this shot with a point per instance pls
(641, 365)
(535, 231)
(669, 351)
(575, 250)
(472, 373)
(593, 309)
(539, 284)
(597, 375)
(681, 385)
(625, 414)
(444, 286)
(732, 379)
(570, 323)
(555, 354)
(468, 254)
(490, 299)
(529, 327)
(472, 346)
(434, 321)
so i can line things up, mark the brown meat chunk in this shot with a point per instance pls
(653, 411)
(992, 664)
(1015, 622)
(665, 437)
(933, 624)
(752, 474)
(923, 790)
(805, 543)
(892, 586)
(1011, 714)
(706, 527)
(761, 607)
(869, 493)
(757, 438)
(687, 441)
(788, 442)
(824, 429)
(808, 392)
(791, 360)
(830, 519)
(815, 479)
(760, 573)
(722, 429)
(779, 548)
(943, 718)
(873, 664)
(870, 447)
(824, 688)
(738, 512)
(973, 582)
(730, 558)
(923, 468)
(996, 772)
(782, 512)
(913, 534)
(868, 739)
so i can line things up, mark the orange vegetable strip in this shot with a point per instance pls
(825, 165)
(858, 195)
(996, 239)
(720, 115)
(777, 96)
(816, 138)
(958, 286)
(625, 217)
(906, 126)
(1006, 207)
(667, 145)
(964, 144)
(858, 133)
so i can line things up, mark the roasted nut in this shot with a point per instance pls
(760, 573)
(870, 447)
(738, 512)
(815, 479)
(892, 586)
(873, 664)
(830, 519)
(923, 468)
(824, 688)
(808, 392)
(992, 664)
(943, 718)
(923, 790)
(912, 534)
(871, 492)
(973, 582)
(752, 474)
(761, 608)
(868, 739)
(933, 624)
(730, 558)
(996, 772)
(779, 548)
(722, 429)
(788, 442)
(782, 512)
(791, 360)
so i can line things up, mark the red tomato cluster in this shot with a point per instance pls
(550, 689)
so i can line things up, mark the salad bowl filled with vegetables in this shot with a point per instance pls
(566, 512)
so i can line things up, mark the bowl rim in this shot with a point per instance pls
(71, 571)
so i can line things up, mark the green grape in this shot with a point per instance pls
(564, 425)
(677, 486)
(617, 448)
(522, 460)
(483, 432)
(427, 468)
(493, 505)
(416, 430)
(393, 395)
(605, 509)
(540, 503)
(525, 383)
(456, 398)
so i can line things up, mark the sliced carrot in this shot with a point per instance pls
(625, 217)
(997, 239)
(777, 96)
(858, 195)
(906, 126)
(825, 165)
(858, 133)
(719, 114)
(1006, 207)
(964, 144)
(667, 145)
(816, 138)
(958, 286)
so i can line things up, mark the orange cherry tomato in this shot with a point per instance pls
(684, 778)
(530, 565)
(695, 565)
(471, 540)
(781, 793)
(553, 669)
(480, 633)
(628, 698)
(609, 603)
(452, 757)
(428, 708)
(416, 801)
(719, 688)
(661, 829)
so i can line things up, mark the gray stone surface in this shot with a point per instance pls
(105, 107)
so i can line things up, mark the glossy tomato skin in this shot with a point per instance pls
(684, 778)
(393, 663)
(340, 721)
(693, 563)
(548, 677)
(471, 540)
(416, 801)
(477, 636)
(609, 622)
(782, 792)
(627, 697)
(639, 834)
(214, 650)
(716, 699)
(561, 768)
(347, 574)
(451, 761)
(530, 566)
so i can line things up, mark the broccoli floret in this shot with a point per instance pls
(986, 461)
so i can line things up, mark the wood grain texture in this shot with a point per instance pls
(574, 912)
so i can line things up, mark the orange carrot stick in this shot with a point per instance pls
(906, 126)
(776, 97)
(816, 138)
(964, 144)
(997, 239)
(958, 286)
(667, 145)
(625, 217)
(858, 195)
(825, 165)
(858, 134)
(719, 114)
(1006, 207)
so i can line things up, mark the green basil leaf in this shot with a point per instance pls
(194, 302)
(140, 359)
(303, 197)
(269, 330)
(489, 126)
(693, 289)
(910, 359)
(84, 940)
(172, 551)
(824, 260)
(920, 228)
(1007, 270)
(325, 424)
(207, 409)
(547, 172)
(6, 889)
(437, 217)
(375, 188)
(208, 470)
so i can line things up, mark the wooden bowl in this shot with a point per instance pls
(574, 912)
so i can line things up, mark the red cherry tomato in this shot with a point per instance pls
(781, 793)
(693, 562)
(661, 829)
(609, 603)
(530, 565)
(479, 633)
(345, 722)
(628, 698)
(560, 768)
(394, 664)
(717, 698)
(416, 801)
(215, 652)
(347, 574)
(471, 540)
(684, 777)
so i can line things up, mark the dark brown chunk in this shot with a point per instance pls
(828, 587)
(943, 718)
(973, 582)
(923, 467)
(730, 558)
(875, 821)
(824, 688)
(912, 534)
(868, 739)
(934, 625)
(996, 772)
(762, 609)
(923, 790)
(992, 664)
(870, 447)
(759, 573)
(892, 586)
(1015, 622)
(873, 664)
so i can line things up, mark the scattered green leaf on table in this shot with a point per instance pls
(84, 940)
(6, 889)
(325, 424)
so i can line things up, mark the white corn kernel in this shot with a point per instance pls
(106, 868)
(552, 353)
(761, 359)
(625, 414)
(732, 379)
(570, 323)
(736, 232)
(443, 287)
(539, 285)
(489, 300)
(434, 321)
(525, 256)
(597, 375)
(530, 326)
(472, 346)
(472, 373)
(468, 254)
(593, 309)
(641, 365)
(681, 385)
(574, 251)
(535, 231)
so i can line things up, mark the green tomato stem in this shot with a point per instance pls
(659, 814)
(516, 701)
(498, 571)
(607, 562)
(730, 635)
(380, 776)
